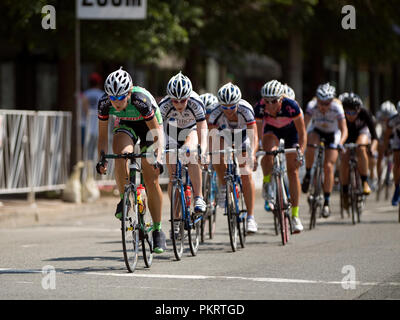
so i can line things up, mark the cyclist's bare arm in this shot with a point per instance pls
(386, 139)
(307, 119)
(102, 145)
(202, 133)
(158, 136)
(343, 128)
(253, 134)
(301, 131)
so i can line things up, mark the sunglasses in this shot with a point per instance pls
(179, 101)
(351, 112)
(228, 107)
(267, 101)
(119, 98)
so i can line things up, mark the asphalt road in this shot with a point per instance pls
(82, 259)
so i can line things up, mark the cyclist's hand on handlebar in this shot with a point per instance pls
(101, 166)
(341, 148)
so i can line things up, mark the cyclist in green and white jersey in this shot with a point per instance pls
(137, 117)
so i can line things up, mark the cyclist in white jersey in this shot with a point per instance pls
(393, 130)
(210, 102)
(232, 121)
(185, 126)
(327, 121)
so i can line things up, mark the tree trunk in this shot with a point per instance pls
(296, 64)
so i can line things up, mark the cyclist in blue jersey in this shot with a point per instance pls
(138, 117)
(282, 119)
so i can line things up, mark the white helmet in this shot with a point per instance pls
(118, 83)
(179, 87)
(272, 89)
(209, 100)
(229, 94)
(325, 92)
(289, 92)
(398, 107)
(387, 109)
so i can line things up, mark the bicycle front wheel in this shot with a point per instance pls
(353, 194)
(130, 230)
(193, 227)
(177, 236)
(242, 219)
(281, 212)
(230, 211)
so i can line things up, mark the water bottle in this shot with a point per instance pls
(188, 195)
(141, 199)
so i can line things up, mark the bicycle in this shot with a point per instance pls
(235, 207)
(282, 204)
(316, 198)
(136, 225)
(182, 208)
(356, 194)
(210, 195)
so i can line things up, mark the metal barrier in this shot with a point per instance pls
(34, 150)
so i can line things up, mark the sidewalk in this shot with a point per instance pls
(20, 213)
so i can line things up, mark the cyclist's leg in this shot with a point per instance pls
(362, 163)
(396, 175)
(249, 189)
(194, 168)
(331, 156)
(122, 143)
(312, 138)
(270, 142)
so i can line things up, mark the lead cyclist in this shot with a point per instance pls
(137, 117)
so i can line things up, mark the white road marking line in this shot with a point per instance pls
(203, 277)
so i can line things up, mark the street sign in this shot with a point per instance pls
(111, 9)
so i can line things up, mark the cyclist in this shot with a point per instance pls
(137, 117)
(328, 122)
(361, 130)
(386, 111)
(185, 126)
(210, 102)
(393, 128)
(282, 119)
(233, 121)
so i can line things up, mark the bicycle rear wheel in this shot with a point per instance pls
(147, 238)
(130, 230)
(230, 211)
(176, 216)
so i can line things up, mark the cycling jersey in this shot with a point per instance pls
(178, 125)
(282, 125)
(394, 124)
(141, 107)
(193, 113)
(234, 130)
(362, 124)
(327, 122)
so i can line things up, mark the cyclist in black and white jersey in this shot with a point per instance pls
(233, 121)
(210, 102)
(185, 126)
(327, 121)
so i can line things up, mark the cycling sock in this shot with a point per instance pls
(345, 189)
(308, 172)
(295, 212)
(157, 226)
(267, 178)
(121, 195)
(364, 178)
(327, 196)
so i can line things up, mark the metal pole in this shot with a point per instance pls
(78, 87)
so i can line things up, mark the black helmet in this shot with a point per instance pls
(351, 101)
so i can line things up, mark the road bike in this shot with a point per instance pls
(235, 207)
(183, 217)
(356, 195)
(136, 222)
(281, 203)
